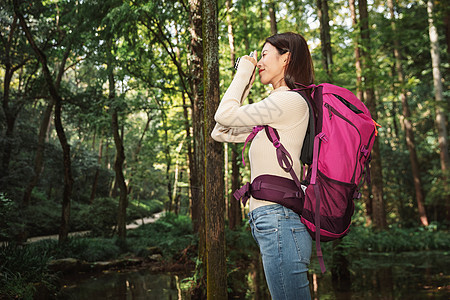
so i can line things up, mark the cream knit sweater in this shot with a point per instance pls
(283, 110)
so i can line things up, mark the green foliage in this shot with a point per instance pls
(10, 225)
(170, 233)
(242, 253)
(99, 217)
(397, 239)
(88, 249)
(43, 217)
(21, 268)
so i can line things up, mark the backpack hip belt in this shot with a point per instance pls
(275, 189)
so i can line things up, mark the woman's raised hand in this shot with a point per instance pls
(254, 60)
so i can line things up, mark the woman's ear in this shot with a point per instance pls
(286, 58)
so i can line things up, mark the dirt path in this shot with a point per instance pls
(133, 225)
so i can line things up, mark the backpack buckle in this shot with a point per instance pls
(364, 150)
(276, 143)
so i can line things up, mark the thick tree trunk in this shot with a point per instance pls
(379, 214)
(216, 269)
(327, 55)
(68, 180)
(441, 122)
(409, 134)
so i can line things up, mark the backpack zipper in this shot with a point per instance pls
(331, 111)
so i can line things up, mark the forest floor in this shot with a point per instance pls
(133, 225)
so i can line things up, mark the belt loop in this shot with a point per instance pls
(286, 211)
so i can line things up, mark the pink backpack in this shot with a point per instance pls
(337, 148)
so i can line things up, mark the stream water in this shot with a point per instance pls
(424, 275)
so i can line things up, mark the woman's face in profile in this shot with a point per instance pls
(271, 65)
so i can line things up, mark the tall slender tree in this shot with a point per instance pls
(360, 94)
(378, 206)
(197, 110)
(409, 134)
(273, 17)
(325, 39)
(118, 141)
(39, 157)
(441, 122)
(216, 269)
(356, 38)
(56, 97)
(12, 61)
(234, 207)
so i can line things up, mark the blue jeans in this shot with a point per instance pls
(285, 247)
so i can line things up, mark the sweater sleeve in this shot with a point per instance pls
(277, 110)
(230, 134)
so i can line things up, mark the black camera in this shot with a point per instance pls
(236, 64)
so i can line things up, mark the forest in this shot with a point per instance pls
(107, 110)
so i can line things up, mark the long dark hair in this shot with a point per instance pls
(300, 68)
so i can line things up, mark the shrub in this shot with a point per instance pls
(21, 268)
(99, 217)
(10, 225)
(170, 233)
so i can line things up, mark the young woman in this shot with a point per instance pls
(284, 242)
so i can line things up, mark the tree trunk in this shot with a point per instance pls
(234, 209)
(359, 92)
(216, 269)
(358, 67)
(409, 134)
(447, 26)
(97, 171)
(10, 112)
(273, 18)
(177, 171)
(120, 153)
(168, 158)
(196, 83)
(379, 214)
(10, 119)
(235, 215)
(327, 56)
(187, 128)
(68, 180)
(438, 96)
(39, 158)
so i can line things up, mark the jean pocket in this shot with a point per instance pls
(266, 224)
(303, 243)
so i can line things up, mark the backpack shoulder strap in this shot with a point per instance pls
(306, 156)
(284, 158)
